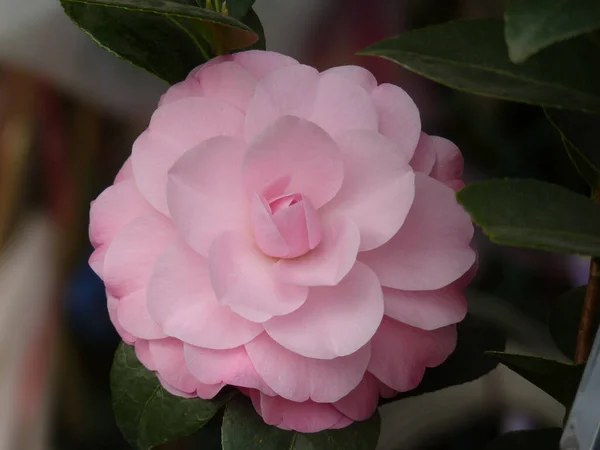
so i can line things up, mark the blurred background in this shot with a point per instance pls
(69, 113)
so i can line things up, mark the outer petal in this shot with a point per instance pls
(427, 310)
(181, 300)
(424, 158)
(401, 353)
(299, 379)
(357, 74)
(431, 250)
(113, 305)
(298, 149)
(342, 105)
(131, 256)
(399, 117)
(126, 171)
(319, 329)
(449, 163)
(361, 403)
(134, 316)
(242, 278)
(378, 187)
(227, 81)
(290, 90)
(231, 367)
(327, 264)
(175, 128)
(261, 63)
(167, 354)
(305, 417)
(205, 194)
(184, 89)
(142, 351)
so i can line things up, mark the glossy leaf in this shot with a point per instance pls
(546, 439)
(532, 25)
(471, 55)
(244, 429)
(165, 37)
(146, 414)
(468, 362)
(558, 379)
(534, 214)
(563, 321)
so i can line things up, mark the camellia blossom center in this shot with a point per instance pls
(285, 226)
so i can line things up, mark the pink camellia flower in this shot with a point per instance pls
(288, 232)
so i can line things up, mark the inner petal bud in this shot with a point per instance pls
(286, 226)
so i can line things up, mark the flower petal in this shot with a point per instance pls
(431, 250)
(399, 117)
(361, 403)
(204, 192)
(319, 329)
(357, 74)
(261, 63)
(424, 158)
(181, 300)
(299, 379)
(167, 354)
(427, 310)
(231, 367)
(378, 187)
(134, 317)
(242, 278)
(142, 351)
(227, 81)
(305, 417)
(129, 259)
(401, 353)
(449, 163)
(175, 128)
(327, 264)
(126, 171)
(113, 305)
(298, 149)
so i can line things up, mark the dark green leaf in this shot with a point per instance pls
(471, 55)
(564, 318)
(578, 132)
(147, 414)
(467, 363)
(165, 37)
(252, 20)
(558, 379)
(243, 429)
(532, 25)
(239, 8)
(546, 439)
(534, 214)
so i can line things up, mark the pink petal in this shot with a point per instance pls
(399, 117)
(181, 300)
(96, 260)
(427, 310)
(305, 417)
(327, 264)
(289, 90)
(378, 187)
(184, 89)
(231, 367)
(204, 192)
(134, 317)
(131, 256)
(319, 329)
(424, 158)
(242, 278)
(342, 105)
(227, 81)
(170, 364)
(117, 206)
(357, 74)
(175, 128)
(401, 353)
(298, 149)
(431, 250)
(142, 351)
(261, 63)
(361, 403)
(299, 379)
(449, 162)
(126, 172)
(208, 391)
(113, 305)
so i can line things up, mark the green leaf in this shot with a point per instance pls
(563, 321)
(471, 55)
(165, 37)
(546, 439)
(532, 25)
(147, 414)
(578, 132)
(239, 8)
(468, 362)
(534, 214)
(558, 379)
(244, 429)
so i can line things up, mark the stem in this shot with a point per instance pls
(585, 336)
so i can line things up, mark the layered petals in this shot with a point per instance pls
(134, 316)
(361, 403)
